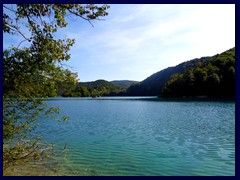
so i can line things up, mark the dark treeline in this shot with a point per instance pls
(124, 83)
(95, 88)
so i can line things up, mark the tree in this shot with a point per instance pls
(81, 91)
(66, 83)
(33, 70)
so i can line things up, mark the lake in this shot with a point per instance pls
(139, 136)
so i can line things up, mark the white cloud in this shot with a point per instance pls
(139, 40)
(152, 37)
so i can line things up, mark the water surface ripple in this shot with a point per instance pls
(134, 136)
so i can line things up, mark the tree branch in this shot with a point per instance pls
(30, 22)
(26, 155)
(9, 9)
(41, 18)
(75, 13)
(21, 43)
(15, 28)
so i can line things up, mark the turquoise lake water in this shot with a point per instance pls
(142, 136)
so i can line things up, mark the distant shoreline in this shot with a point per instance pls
(148, 98)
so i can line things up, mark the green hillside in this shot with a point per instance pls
(214, 77)
(124, 83)
(98, 88)
(153, 85)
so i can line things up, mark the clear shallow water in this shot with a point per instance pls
(141, 136)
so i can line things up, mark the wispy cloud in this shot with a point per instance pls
(136, 41)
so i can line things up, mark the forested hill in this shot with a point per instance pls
(98, 88)
(153, 85)
(214, 77)
(123, 83)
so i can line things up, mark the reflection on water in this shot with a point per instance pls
(138, 136)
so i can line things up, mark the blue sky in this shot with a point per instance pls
(135, 41)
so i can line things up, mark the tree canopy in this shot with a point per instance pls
(33, 70)
(214, 77)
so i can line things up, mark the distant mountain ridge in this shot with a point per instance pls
(97, 83)
(104, 88)
(101, 88)
(123, 83)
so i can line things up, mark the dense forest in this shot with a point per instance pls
(153, 85)
(214, 77)
(124, 83)
(95, 88)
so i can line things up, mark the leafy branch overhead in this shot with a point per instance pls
(43, 20)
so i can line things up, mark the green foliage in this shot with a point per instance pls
(35, 71)
(19, 122)
(152, 85)
(22, 150)
(214, 77)
(99, 88)
(82, 91)
(124, 83)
